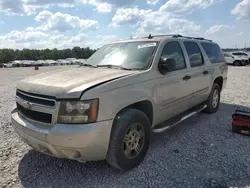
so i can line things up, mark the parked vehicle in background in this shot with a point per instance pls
(59, 61)
(51, 62)
(25, 63)
(65, 62)
(17, 63)
(8, 65)
(71, 60)
(42, 63)
(82, 61)
(108, 107)
(75, 62)
(234, 60)
(242, 55)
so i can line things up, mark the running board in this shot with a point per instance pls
(178, 119)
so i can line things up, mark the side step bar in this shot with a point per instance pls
(178, 119)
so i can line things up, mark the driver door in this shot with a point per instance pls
(172, 88)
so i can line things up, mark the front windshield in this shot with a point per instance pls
(130, 55)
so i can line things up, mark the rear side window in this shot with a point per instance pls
(213, 52)
(194, 54)
(239, 54)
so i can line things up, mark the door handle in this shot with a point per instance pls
(205, 72)
(186, 77)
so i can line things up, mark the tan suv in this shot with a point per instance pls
(108, 107)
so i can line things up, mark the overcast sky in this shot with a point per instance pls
(68, 23)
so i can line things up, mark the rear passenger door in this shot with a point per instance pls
(199, 73)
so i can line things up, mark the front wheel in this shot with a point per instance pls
(213, 100)
(237, 63)
(130, 139)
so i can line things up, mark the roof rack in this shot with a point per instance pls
(152, 36)
(177, 36)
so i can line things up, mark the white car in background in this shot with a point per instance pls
(26, 63)
(242, 55)
(71, 60)
(17, 63)
(51, 62)
(42, 63)
(8, 65)
(235, 60)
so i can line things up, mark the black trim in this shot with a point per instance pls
(34, 115)
(177, 118)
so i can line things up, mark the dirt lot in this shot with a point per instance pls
(200, 152)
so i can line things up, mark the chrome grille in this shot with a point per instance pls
(36, 107)
(36, 98)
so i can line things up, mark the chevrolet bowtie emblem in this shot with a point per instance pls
(27, 105)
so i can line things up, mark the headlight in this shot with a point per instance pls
(78, 111)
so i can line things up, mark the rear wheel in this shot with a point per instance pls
(130, 139)
(213, 100)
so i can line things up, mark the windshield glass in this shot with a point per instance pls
(130, 55)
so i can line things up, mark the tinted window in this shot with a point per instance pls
(194, 54)
(172, 50)
(213, 52)
(239, 54)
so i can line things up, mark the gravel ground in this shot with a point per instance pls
(200, 152)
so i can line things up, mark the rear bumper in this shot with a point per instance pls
(84, 142)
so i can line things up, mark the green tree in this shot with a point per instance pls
(7, 55)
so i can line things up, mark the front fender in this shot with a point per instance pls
(114, 101)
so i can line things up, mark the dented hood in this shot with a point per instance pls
(69, 83)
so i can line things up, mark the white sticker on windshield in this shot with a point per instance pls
(146, 45)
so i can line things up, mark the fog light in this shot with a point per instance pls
(71, 154)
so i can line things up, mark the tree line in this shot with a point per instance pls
(7, 55)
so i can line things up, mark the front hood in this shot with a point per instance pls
(69, 83)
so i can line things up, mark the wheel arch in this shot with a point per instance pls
(145, 106)
(219, 80)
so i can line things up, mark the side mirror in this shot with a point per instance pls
(166, 65)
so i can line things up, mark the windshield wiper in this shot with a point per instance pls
(88, 65)
(114, 66)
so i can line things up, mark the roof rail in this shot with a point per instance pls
(152, 36)
(177, 36)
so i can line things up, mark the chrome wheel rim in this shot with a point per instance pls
(215, 99)
(133, 141)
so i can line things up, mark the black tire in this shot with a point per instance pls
(116, 156)
(235, 129)
(237, 63)
(210, 107)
